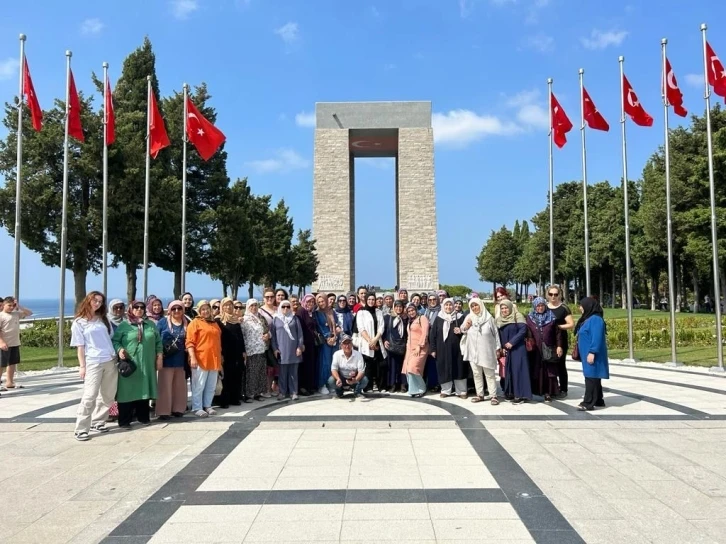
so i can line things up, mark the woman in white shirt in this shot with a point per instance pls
(369, 326)
(91, 335)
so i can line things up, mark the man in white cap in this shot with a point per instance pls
(348, 369)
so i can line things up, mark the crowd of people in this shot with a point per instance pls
(143, 356)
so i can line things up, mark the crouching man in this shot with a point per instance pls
(348, 369)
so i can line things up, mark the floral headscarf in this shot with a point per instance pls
(544, 318)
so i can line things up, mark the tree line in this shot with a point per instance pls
(233, 235)
(520, 256)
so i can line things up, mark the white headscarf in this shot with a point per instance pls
(484, 316)
(447, 317)
(286, 319)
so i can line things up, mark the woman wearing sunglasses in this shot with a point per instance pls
(172, 395)
(137, 339)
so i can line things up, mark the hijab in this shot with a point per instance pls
(447, 317)
(112, 318)
(189, 312)
(345, 309)
(201, 303)
(149, 312)
(286, 319)
(174, 304)
(398, 320)
(372, 310)
(225, 317)
(212, 303)
(590, 307)
(544, 318)
(513, 317)
(137, 321)
(482, 318)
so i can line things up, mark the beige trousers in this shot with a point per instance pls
(480, 373)
(99, 392)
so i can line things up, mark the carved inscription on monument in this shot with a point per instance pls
(331, 282)
(421, 282)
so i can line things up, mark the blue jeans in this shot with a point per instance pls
(340, 390)
(203, 384)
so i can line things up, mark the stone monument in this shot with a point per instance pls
(348, 130)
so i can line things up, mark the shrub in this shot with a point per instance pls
(44, 334)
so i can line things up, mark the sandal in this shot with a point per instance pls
(495, 401)
(585, 408)
(477, 399)
(463, 396)
(443, 395)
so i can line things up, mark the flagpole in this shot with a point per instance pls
(552, 190)
(669, 219)
(714, 224)
(105, 179)
(184, 195)
(147, 186)
(584, 186)
(626, 212)
(64, 217)
(18, 172)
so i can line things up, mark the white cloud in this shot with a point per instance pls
(9, 68)
(540, 42)
(183, 8)
(530, 109)
(304, 119)
(92, 26)
(696, 80)
(600, 40)
(289, 32)
(285, 160)
(460, 127)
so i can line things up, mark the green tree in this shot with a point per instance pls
(304, 261)
(496, 260)
(275, 247)
(42, 189)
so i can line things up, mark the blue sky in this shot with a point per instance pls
(483, 64)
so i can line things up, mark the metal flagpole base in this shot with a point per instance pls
(717, 370)
(675, 364)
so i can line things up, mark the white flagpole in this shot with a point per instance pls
(584, 185)
(626, 211)
(714, 224)
(105, 180)
(18, 171)
(552, 191)
(64, 217)
(147, 188)
(184, 195)
(669, 219)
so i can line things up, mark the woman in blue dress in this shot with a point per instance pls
(591, 344)
(325, 324)
(512, 330)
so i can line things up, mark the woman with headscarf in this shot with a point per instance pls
(591, 333)
(288, 344)
(216, 309)
(417, 345)
(480, 346)
(328, 342)
(188, 301)
(343, 317)
(396, 335)
(370, 327)
(204, 345)
(446, 349)
(256, 336)
(500, 295)
(154, 308)
(233, 346)
(137, 339)
(432, 311)
(512, 330)
(307, 371)
(172, 394)
(546, 345)
(116, 313)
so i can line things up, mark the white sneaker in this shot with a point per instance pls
(201, 413)
(324, 391)
(211, 411)
(294, 397)
(267, 395)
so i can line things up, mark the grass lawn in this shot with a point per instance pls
(45, 358)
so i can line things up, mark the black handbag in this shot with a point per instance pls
(271, 359)
(126, 367)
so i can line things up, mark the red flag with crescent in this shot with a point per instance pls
(633, 107)
(593, 117)
(716, 72)
(29, 91)
(672, 92)
(157, 131)
(561, 124)
(204, 135)
(75, 127)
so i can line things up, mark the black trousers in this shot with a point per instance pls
(232, 384)
(562, 374)
(138, 408)
(593, 393)
(376, 370)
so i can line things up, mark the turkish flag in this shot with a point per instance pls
(633, 107)
(204, 135)
(75, 127)
(672, 92)
(110, 116)
(29, 91)
(158, 139)
(716, 72)
(561, 124)
(593, 117)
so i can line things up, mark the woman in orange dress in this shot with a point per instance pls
(417, 348)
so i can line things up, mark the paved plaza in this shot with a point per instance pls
(648, 468)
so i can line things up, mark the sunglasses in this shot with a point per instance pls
(139, 307)
(553, 294)
(177, 309)
(215, 307)
(118, 307)
(238, 307)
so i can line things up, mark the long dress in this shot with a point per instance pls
(450, 365)
(544, 374)
(308, 369)
(287, 345)
(561, 313)
(233, 378)
(325, 352)
(141, 385)
(396, 378)
(253, 327)
(516, 367)
(416, 355)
